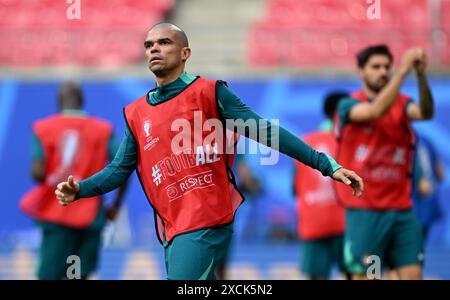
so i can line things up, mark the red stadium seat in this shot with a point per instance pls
(116, 27)
(319, 33)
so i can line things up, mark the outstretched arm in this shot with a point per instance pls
(231, 107)
(274, 136)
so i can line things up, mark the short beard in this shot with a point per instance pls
(376, 88)
(159, 73)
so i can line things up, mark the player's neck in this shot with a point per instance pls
(369, 92)
(163, 79)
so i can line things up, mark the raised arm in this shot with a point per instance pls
(425, 109)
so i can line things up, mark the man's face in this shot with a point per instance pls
(164, 51)
(377, 72)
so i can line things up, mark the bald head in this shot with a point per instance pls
(181, 35)
(70, 96)
(166, 52)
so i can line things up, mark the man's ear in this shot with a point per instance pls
(185, 53)
(360, 72)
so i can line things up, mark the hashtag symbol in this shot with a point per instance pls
(156, 175)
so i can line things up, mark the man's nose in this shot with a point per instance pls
(383, 71)
(154, 49)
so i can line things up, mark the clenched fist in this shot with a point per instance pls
(65, 191)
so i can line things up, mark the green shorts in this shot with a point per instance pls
(319, 255)
(195, 255)
(394, 236)
(60, 242)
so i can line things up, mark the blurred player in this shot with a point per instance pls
(192, 189)
(376, 139)
(321, 219)
(428, 175)
(70, 142)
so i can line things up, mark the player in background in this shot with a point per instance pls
(321, 219)
(70, 142)
(376, 140)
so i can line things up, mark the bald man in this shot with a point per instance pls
(190, 184)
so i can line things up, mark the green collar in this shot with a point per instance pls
(73, 112)
(168, 91)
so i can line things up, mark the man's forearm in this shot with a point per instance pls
(296, 148)
(115, 174)
(278, 138)
(271, 134)
(386, 98)
(103, 182)
(425, 97)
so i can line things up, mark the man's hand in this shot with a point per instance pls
(65, 191)
(350, 178)
(420, 64)
(412, 58)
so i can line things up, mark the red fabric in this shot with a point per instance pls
(72, 145)
(188, 193)
(320, 215)
(381, 152)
